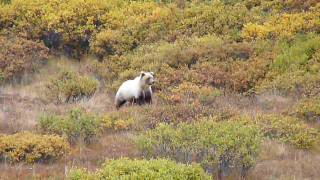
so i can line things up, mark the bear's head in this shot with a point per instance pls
(147, 78)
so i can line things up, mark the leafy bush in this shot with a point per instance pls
(190, 93)
(5, 1)
(69, 87)
(29, 147)
(142, 169)
(205, 61)
(296, 68)
(72, 22)
(19, 56)
(308, 109)
(218, 145)
(76, 125)
(110, 42)
(115, 122)
(286, 129)
(284, 25)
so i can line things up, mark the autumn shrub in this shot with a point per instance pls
(19, 56)
(296, 68)
(68, 87)
(174, 114)
(218, 146)
(142, 169)
(308, 109)
(286, 129)
(73, 22)
(188, 92)
(208, 18)
(30, 148)
(116, 121)
(204, 60)
(145, 21)
(76, 125)
(285, 25)
(111, 42)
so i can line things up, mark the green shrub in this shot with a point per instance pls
(220, 146)
(29, 147)
(74, 126)
(82, 174)
(308, 109)
(142, 169)
(70, 87)
(286, 129)
(5, 1)
(296, 68)
(19, 56)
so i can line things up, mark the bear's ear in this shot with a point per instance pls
(142, 73)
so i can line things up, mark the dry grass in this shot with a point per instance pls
(279, 161)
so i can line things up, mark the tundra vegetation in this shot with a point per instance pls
(237, 90)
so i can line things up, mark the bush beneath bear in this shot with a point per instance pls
(141, 169)
(218, 146)
(69, 87)
(77, 125)
(30, 148)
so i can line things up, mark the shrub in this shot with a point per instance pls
(115, 122)
(142, 169)
(77, 124)
(217, 145)
(72, 22)
(19, 56)
(296, 68)
(308, 109)
(283, 25)
(190, 93)
(204, 61)
(70, 87)
(29, 147)
(173, 114)
(286, 129)
(5, 1)
(111, 42)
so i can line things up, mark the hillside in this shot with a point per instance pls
(236, 96)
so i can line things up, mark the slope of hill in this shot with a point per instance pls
(237, 88)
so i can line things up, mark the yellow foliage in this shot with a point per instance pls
(190, 93)
(284, 25)
(114, 122)
(29, 147)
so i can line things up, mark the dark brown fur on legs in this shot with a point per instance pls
(145, 97)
